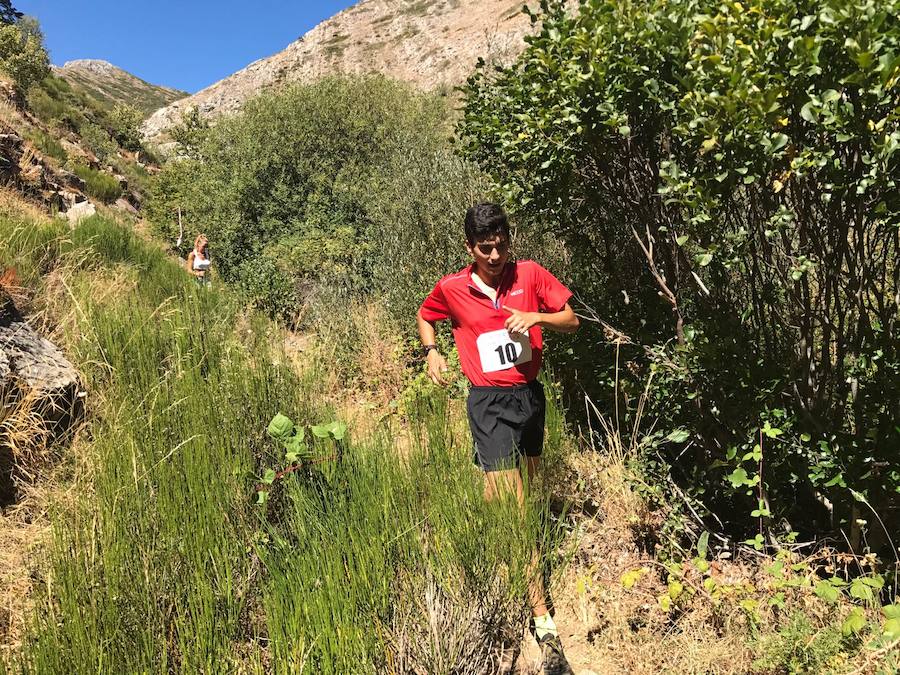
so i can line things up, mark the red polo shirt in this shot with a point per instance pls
(491, 356)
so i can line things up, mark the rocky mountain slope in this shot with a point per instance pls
(430, 43)
(111, 85)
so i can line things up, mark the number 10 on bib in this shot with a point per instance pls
(500, 350)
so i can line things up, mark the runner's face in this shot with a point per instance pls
(490, 254)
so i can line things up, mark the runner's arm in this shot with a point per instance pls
(437, 364)
(563, 321)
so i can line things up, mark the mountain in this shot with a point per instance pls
(430, 43)
(111, 85)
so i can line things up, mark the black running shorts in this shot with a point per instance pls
(506, 423)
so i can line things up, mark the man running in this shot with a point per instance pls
(497, 308)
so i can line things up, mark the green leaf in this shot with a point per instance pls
(876, 582)
(702, 544)
(891, 629)
(281, 427)
(320, 431)
(682, 240)
(625, 130)
(631, 577)
(892, 611)
(827, 592)
(704, 259)
(738, 477)
(337, 429)
(676, 588)
(837, 480)
(708, 145)
(830, 95)
(262, 496)
(861, 591)
(808, 112)
(778, 141)
(665, 602)
(854, 623)
(269, 477)
(858, 496)
(678, 436)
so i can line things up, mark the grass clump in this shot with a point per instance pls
(48, 144)
(799, 647)
(99, 185)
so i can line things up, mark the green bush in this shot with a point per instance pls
(22, 54)
(725, 177)
(98, 140)
(345, 182)
(125, 122)
(99, 185)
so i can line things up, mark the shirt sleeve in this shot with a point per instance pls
(435, 307)
(552, 294)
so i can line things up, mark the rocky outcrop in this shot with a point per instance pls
(24, 168)
(430, 43)
(30, 363)
(35, 378)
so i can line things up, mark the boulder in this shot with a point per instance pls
(79, 212)
(71, 180)
(36, 374)
(124, 205)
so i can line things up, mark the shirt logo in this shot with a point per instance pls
(518, 291)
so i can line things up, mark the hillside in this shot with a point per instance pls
(430, 43)
(110, 85)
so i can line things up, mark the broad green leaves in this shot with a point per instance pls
(755, 146)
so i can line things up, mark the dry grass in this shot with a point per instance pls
(14, 206)
(22, 537)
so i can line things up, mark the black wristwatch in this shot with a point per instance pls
(428, 348)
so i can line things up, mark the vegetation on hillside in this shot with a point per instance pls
(337, 571)
(716, 182)
(117, 87)
(22, 53)
(725, 179)
(345, 186)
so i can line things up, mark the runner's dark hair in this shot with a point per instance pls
(485, 220)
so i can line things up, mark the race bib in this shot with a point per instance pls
(501, 349)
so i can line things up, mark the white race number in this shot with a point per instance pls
(501, 349)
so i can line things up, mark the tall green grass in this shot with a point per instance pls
(166, 564)
(99, 185)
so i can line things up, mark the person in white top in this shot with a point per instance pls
(198, 262)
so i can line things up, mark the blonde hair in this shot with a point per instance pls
(200, 237)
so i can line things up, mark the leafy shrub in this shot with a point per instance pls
(125, 122)
(333, 183)
(725, 177)
(800, 647)
(97, 140)
(22, 54)
(99, 185)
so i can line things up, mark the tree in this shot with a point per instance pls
(125, 122)
(731, 169)
(8, 13)
(22, 53)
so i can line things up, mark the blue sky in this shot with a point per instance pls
(187, 45)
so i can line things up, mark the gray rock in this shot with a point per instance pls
(79, 212)
(124, 205)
